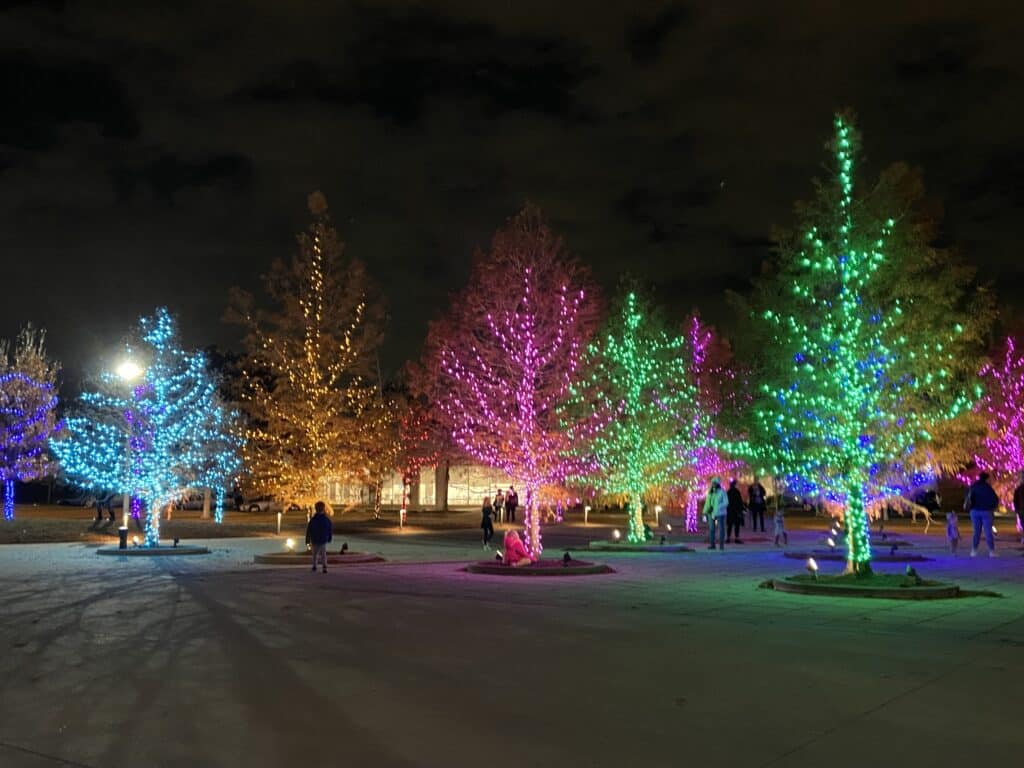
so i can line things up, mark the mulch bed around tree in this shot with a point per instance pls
(647, 546)
(540, 568)
(306, 558)
(879, 585)
(162, 551)
(839, 556)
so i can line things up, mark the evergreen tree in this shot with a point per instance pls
(157, 439)
(621, 414)
(28, 404)
(503, 357)
(313, 411)
(858, 370)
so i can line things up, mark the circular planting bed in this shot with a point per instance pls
(838, 556)
(540, 568)
(647, 546)
(306, 558)
(888, 586)
(161, 551)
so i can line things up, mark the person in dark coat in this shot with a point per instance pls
(486, 523)
(511, 502)
(734, 512)
(319, 533)
(982, 503)
(757, 502)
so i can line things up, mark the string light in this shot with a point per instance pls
(28, 403)
(502, 365)
(1001, 452)
(175, 428)
(620, 417)
(838, 411)
(313, 417)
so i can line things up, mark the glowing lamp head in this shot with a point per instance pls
(657, 508)
(831, 542)
(616, 534)
(587, 508)
(129, 370)
(812, 566)
(289, 544)
(668, 527)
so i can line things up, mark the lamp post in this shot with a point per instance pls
(128, 371)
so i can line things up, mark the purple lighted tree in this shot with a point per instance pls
(503, 357)
(709, 369)
(1001, 452)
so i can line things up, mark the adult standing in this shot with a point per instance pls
(485, 524)
(982, 503)
(499, 506)
(716, 506)
(757, 501)
(319, 533)
(511, 502)
(734, 512)
(1018, 506)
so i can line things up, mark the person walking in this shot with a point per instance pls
(716, 506)
(1018, 506)
(734, 512)
(757, 502)
(499, 506)
(319, 533)
(485, 523)
(511, 502)
(982, 502)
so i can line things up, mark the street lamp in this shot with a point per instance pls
(128, 371)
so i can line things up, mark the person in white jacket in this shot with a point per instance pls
(716, 505)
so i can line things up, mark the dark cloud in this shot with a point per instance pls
(43, 95)
(646, 37)
(664, 138)
(402, 64)
(663, 212)
(167, 175)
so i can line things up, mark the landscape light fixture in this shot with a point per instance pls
(812, 568)
(289, 544)
(616, 534)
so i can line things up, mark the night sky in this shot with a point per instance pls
(160, 155)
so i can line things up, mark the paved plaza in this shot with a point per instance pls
(675, 659)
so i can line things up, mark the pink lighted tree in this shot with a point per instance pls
(502, 359)
(1001, 452)
(710, 372)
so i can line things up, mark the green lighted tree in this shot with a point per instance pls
(858, 370)
(622, 415)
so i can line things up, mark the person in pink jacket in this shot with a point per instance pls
(515, 551)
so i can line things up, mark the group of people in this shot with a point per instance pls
(725, 512)
(981, 503)
(503, 508)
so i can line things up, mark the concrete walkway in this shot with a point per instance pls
(676, 659)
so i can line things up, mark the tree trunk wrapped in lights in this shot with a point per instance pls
(313, 410)
(503, 358)
(28, 407)
(859, 367)
(156, 439)
(621, 414)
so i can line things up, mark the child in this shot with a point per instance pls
(952, 531)
(319, 533)
(780, 527)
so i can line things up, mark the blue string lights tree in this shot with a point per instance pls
(164, 436)
(28, 403)
(860, 377)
